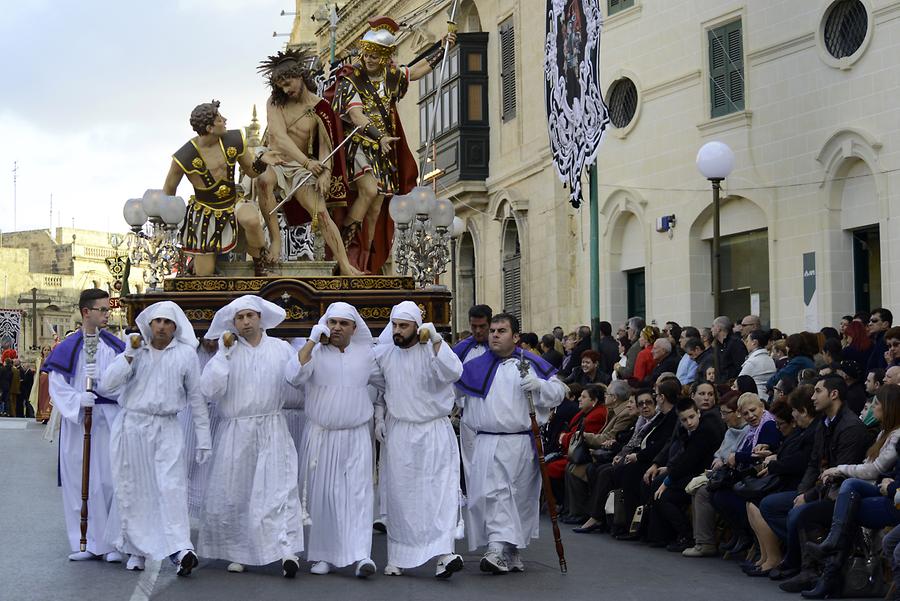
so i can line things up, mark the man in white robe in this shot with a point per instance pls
(198, 473)
(251, 513)
(467, 350)
(504, 481)
(337, 462)
(158, 375)
(421, 458)
(293, 407)
(70, 365)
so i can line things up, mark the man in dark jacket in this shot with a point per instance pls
(879, 323)
(730, 347)
(852, 373)
(549, 352)
(609, 348)
(703, 357)
(665, 358)
(841, 439)
(27, 381)
(691, 451)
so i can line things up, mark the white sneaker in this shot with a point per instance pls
(447, 564)
(365, 568)
(135, 563)
(513, 560)
(320, 568)
(113, 557)
(700, 550)
(493, 563)
(392, 570)
(235, 567)
(290, 566)
(82, 556)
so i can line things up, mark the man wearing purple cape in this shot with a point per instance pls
(504, 482)
(82, 355)
(470, 349)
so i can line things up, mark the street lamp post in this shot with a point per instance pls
(456, 229)
(715, 162)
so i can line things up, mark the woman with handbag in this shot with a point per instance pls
(602, 446)
(860, 502)
(703, 513)
(762, 434)
(591, 417)
(796, 419)
(602, 475)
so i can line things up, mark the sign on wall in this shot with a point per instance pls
(809, 292)
(577, 117)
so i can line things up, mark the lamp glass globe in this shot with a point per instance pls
(457, 228)
(134, 213)
(715, 160)
(172, 211)
(401, 208)
(152, 202)
(423, 199)
(442, 213)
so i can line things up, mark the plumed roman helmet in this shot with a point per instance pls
(381, 39)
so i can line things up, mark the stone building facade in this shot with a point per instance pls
(58, 264)
(803, 92)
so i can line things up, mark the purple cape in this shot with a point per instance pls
(478, 374)
(464, 346)
(64, 358)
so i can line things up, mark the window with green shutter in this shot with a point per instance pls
(726, 69)
(508, 69)
(614, 6)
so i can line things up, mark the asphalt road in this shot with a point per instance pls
(33, 566)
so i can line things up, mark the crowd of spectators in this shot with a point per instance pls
(735, 441)
(16, 380)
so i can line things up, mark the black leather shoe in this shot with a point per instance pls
(680, 545)
(799, 583)
(757, 572)
(739, 548)
(629, 537)
(783, 572)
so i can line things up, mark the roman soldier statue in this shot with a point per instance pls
(379, 162)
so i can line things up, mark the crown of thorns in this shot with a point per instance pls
(289, 63)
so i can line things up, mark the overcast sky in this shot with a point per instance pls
(95, 96)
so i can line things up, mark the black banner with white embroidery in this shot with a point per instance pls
(577, 117)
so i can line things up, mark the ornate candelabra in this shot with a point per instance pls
(424, 227)
(153, 241)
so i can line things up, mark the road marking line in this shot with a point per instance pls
(144, 588)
